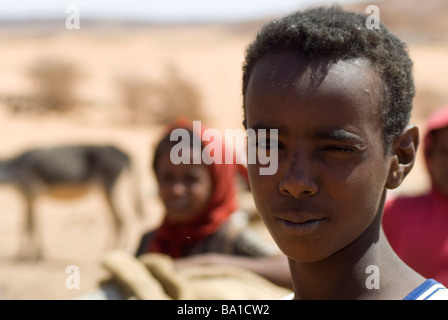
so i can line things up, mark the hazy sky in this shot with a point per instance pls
(155, 10)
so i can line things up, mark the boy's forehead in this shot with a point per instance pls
(278, 72)
(289, 69)
(350, 86)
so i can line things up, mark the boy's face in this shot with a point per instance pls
(438, 160)
(185, 189)
(332, 169)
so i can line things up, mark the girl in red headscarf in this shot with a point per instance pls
(417, 226)
(200, 199)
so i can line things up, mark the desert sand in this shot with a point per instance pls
(209, 57)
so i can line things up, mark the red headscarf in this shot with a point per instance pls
(176, 239)
(417, 226)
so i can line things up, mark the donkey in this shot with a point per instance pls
(65, 172)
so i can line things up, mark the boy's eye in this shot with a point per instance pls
(340, 149)
(267, 143)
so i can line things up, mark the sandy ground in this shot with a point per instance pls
(75, 233)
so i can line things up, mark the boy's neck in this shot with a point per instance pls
(345, 275)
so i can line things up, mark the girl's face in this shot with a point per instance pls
(438, 160)
(185, 189)
(332, 170)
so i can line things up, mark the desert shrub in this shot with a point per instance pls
(138, 96)
(161, 101)
(181, 98)
(54, 81)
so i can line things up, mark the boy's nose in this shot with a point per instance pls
(298, 181)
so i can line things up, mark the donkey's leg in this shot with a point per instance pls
(30, 242)
(117, 220)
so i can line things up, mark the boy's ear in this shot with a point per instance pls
(404, 153)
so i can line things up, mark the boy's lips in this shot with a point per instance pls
(300, 224)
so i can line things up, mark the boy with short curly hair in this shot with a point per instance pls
(336, 99)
